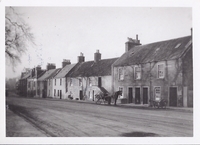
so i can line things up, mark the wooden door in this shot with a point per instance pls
(173, 96)
(81, 95)
(137, 95)
(145, 95)
(130, 95)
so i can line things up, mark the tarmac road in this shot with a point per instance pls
(62, 118)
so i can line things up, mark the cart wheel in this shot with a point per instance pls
(164, 106)
(98, 101)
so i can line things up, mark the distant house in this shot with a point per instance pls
(32, 81)
(50, 83)
(22, 85)
(43, 80)
(90, 77)
(154, 71)
(59, 89)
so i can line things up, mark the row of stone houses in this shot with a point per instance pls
(157, 70)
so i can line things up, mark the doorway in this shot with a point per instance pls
(60, 94)
(81, 95)
(99, 82)
(137, 95)
(130, 95)
(173, 96)
(93, 95)
(145, 95)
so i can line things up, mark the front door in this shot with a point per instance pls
(173, 96)
(145, 95)
(60, 94)
(99, 81)
(93, 95)
(130, 95)
(137, 95)
(81, 95)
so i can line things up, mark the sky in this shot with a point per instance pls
(63, 32)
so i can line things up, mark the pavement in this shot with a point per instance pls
(129, 105)
(18, 126)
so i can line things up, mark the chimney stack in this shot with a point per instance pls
(51, 66)
(97, 56)
(131, 43)
(81, 58)
(65, 62)
(191, 32)
(38, 67)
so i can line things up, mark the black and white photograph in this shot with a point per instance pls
(99, 71)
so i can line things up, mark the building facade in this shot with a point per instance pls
(160, 70)
(43, 80)
(59, 81)
(90, 78)
(22, 86)
(32, 82)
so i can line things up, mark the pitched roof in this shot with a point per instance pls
(54, 74)
(64, 71)
(158, 51)
(40, 73)
(27, 75)
(47, 74)
(91, 68)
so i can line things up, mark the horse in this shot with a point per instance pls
(101, 97)
(116, 95)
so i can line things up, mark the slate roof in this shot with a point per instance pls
(27, 75)
(39, 75)
(64, 71)
(54, 74)
(47, 74)
(154, 52)
(91, 68)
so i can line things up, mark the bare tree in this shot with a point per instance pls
(17, 36)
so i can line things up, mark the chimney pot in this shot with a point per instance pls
(51, 66)
(65, 62)
(97, 56)
(131, 43)
(81, 58)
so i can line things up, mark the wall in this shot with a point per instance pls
(59, 87)
(188, 76)
(50, 88)
(173, 77)
(88, 90)
(40, 89)
(31, 90)
(23, 87)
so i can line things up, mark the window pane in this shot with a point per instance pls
(160, 71)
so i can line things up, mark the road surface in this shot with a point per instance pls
(62, 118)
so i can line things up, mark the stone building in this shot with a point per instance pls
(43, 83)
(157, 70)
(59, 88)
(90, 77)
(32, 81)
(22, 85)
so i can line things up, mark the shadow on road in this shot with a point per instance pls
(139, 134)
